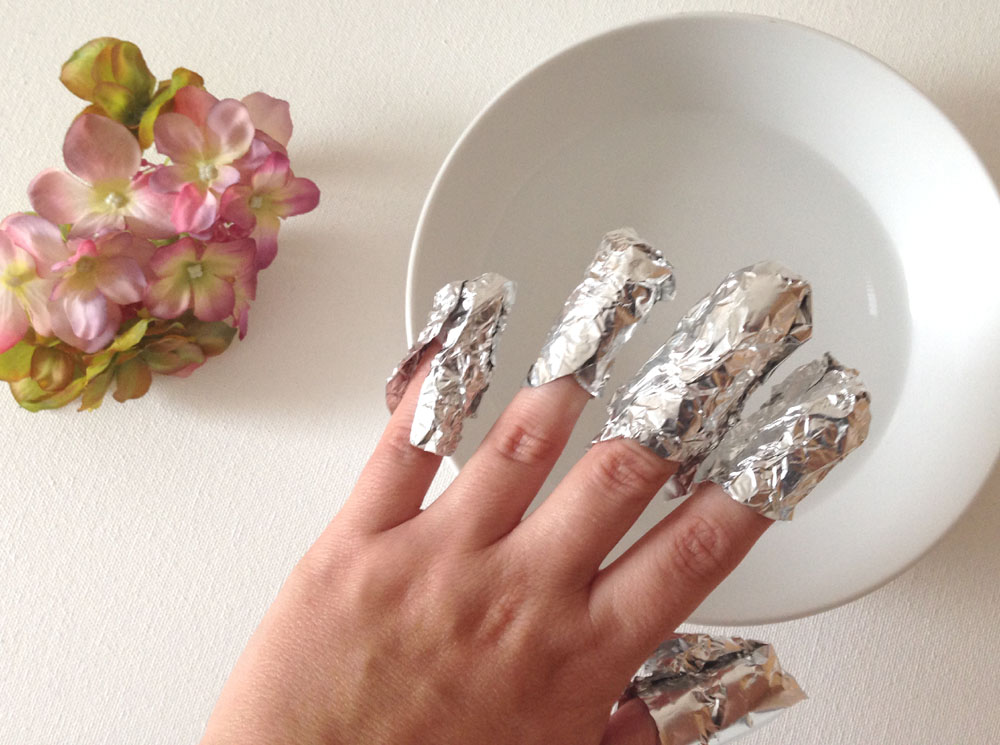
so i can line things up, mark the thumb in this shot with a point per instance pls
(631, 725)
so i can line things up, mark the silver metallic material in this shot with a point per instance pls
(774, 457)
(688, 394)
(697, 685)
(624, 281)
(467, 319)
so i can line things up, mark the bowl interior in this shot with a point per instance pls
(724, 140)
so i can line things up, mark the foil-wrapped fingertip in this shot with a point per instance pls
(467, 319)
(774, 457)
(624, 281)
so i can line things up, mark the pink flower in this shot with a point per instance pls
(109, 194)
(273, 193)
(96, 280)
(193, 275)
(203, 137)
(24, 295)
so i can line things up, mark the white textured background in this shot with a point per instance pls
(140, 545)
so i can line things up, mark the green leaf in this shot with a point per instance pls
(130, 69)
(78, 72)
(164, 95)
(93, 393)
(15, 363)
(172, 354)
(116, 100)
(31, 397)
(133, 380)
(131, 337)
(52, 368)
(214, 338)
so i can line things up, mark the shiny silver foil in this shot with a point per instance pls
(774, 457)
(467, 319)
(624, 281)
(688, 394)
(697, 685)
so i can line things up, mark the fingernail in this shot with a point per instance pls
(467, 319)
(686, 396)
(623, 283)
(774, 457)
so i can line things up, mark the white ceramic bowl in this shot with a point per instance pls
(726, 139)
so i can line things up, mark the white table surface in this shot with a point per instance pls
(140, 545)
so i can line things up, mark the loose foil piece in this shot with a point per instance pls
(686, 396)
(697, 685)
(625, 280)
(776, 456)
(467, 319)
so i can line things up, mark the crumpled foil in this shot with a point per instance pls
(773, 458)
(688, 394)
(467, 318)
(624, 281)
(697, 685)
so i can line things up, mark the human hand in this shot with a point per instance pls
(464, 624)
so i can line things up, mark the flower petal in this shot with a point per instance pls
(13, 320)
(148, 213)
(171, 179)
(120, 279)
(39, 237)
(57, 196)
(169, 297)
(226, 178)
(62, 329)
(99, 149)
(178, 137)
(194, 102)
(194, 211)
(230, 130)
(230, 259)
(36, 296)
(234, 206)
(270, 115)
(299, 195)
(213, 298)
(96, 223)
(266, 236)
(170, 261)
(87, 313)
(272, 174)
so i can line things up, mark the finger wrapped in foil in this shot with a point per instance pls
(467, 319)
(686, 396)
(774, 457)
(624, 281)
(697, 685)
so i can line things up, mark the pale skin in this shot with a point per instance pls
(464, 624)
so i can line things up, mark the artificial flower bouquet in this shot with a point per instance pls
(129, 267)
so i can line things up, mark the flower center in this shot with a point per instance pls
(116, 200)
(16, 275)
(207, 172)
(256, 202)
(85, 265)
(195, 271)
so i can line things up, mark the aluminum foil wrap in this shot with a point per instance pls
(624, 281)
(467, 319)
(688, 394)
(697, 685)
(774, 457)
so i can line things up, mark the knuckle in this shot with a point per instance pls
(622, 472)
(524, 444)
(398, 448)
(701, 551)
